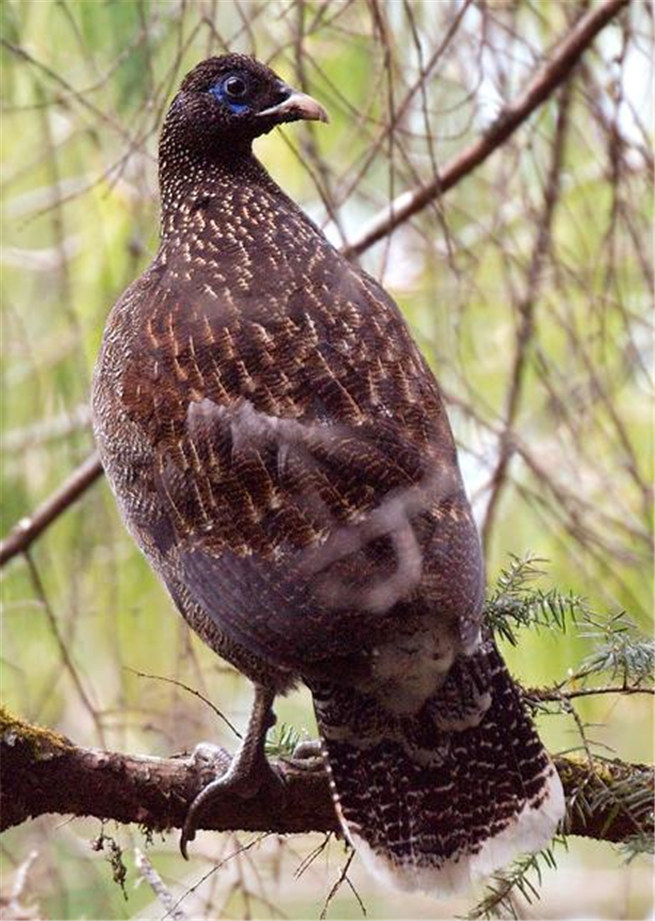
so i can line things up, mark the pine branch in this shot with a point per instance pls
(44, 772)
(498, 901)
(594, 797)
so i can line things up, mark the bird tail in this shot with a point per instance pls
(438, 800)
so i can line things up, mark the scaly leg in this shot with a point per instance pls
(248, 772)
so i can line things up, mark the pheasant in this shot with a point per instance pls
(280, 452)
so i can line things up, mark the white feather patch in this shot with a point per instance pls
(529, 831)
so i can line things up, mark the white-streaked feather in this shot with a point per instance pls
(530, 830)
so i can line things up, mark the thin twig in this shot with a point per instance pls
(548, 77)
(157, 885)
(28, 529)
(338, 883)
(185, 687)
(526, 310)
(240, 850)
(555, 694)
(62, 646)
(20, 879)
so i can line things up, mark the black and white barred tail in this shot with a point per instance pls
(432, 802)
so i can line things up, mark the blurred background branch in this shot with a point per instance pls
(30, 527)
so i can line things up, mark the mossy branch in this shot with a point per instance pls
(44, 772)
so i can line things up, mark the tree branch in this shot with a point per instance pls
(526, 326)
(548, 77)
(556, 693)
(43, 772)
(28, 529)
(546, 80)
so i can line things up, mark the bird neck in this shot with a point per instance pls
(187, 178)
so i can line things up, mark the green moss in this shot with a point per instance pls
(43, 743)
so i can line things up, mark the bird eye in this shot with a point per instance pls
(235, 87)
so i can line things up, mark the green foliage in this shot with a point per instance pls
(620, 655)
(604, 788)
(282, 740)
(637, 845)
(524, 877)
(516, 603)
(618, 650)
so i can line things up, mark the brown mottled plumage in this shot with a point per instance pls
(280, 451)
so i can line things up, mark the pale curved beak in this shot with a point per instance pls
(298, 105)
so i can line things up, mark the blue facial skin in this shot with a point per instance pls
(219, 92)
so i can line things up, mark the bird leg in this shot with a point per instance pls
(248, 770)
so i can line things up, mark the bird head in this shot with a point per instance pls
(232, 99)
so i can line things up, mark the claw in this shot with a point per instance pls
(307, 756)
(244, 775)
(188, 834)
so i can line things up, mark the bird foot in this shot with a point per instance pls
(207, 757)
(307, 756)
(240, 776)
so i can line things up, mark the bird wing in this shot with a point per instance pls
(304, 463)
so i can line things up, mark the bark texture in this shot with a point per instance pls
(44, 772)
